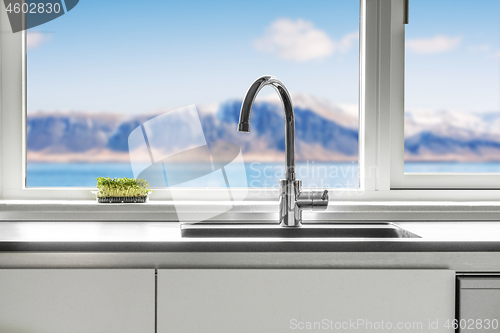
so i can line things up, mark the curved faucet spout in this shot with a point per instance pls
(246, 108)
(292, 198)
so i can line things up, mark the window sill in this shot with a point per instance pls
(250, 211)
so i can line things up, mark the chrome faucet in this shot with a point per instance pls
(292, 198)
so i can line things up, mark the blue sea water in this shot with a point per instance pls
(73, 174)
(315, 175)
(452, 167)
(258, 174)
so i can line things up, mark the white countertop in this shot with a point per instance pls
(464, 247)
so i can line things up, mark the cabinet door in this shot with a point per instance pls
(479, 304)
(269, 300)
(77, 300)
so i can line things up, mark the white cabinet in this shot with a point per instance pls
(284, 300)
(77, 300)
(224, 300)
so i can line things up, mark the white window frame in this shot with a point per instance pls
(381, 112)
(400, 179)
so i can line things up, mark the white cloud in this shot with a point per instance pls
(35, 39)
(347, 42)
(479, 48)
(300, 41)
(436, 44)
(485, 50)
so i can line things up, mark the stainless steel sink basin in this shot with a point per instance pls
(338, 230)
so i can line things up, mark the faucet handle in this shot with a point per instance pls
(313, 200)
(325, 196)
(320, 202)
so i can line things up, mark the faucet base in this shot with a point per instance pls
(290, 213)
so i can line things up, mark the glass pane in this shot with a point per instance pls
(121, 89)
(452, 112)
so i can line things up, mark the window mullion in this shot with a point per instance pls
(1, 100)
(380, 95)
(397, 89)
(12, 100)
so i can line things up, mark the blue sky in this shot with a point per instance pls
(137, 57)
(125, 56)
(464, 74)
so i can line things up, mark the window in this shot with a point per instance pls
(385, 92)
(93, 78)
(452, 100)
(452, 122)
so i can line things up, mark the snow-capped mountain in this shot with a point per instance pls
(452, 136)
(324, 132)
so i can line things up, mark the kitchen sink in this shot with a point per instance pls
(337, 230)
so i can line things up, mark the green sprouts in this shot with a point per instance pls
(122, 187)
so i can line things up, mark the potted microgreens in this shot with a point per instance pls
(121, 190)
